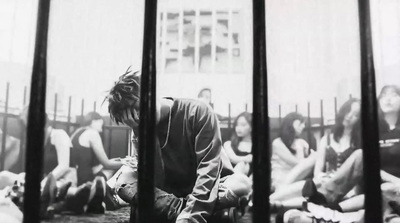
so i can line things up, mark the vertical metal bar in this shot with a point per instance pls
(309, 122)
(350, 96)
(280, 114)
(230, 40)
(147, 123)
(229, 116)
(296, 109)
(94, 106)
(24, 102)
(197, 41)
(82, 107)
(69, 114)
(260, 137)
(335, 101)
(4, 128)
(213, 40)
(245, 108)
(322, 118)
(370, 142)
(36, 118)
(55, 110)
(109, 141)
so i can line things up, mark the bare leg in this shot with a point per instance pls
(302, 170)
(353, 204)
(288, 192)
(242, 168)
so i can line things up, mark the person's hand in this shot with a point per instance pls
(116, 159)
(248, 158)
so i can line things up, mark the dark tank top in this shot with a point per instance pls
(333, 159)
(242, 154)
(83, 159)
(50, 160)
(390, 151)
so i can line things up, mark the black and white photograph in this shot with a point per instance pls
(212, 111)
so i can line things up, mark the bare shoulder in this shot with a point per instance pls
(60, 136)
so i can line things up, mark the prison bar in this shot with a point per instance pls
(36, 118)
(322, 118)
(4, 128)
(369, 114)
(260, 136)
(147, 117)
(55, 109)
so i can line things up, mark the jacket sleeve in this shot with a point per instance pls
(207, 139)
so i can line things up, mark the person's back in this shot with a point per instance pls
(82, 158)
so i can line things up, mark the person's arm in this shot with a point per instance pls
(97, 145)
(207, 144)
(62, 143)
(235, 159)
(283, 152)
(321, 154)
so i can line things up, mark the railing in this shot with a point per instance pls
(260, 116)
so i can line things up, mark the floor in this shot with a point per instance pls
(120, 216)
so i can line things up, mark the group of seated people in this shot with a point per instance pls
(197, 177)
(75, 171)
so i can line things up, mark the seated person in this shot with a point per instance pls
(334, 150)
(87, 154)
(189, 184)
(238, 148)
(338, 169)
(289, 152)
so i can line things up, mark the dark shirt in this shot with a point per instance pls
(334, 160)
(83, 159)
(192, 158)
(390, 151)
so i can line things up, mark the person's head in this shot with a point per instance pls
(124, 98)
(291, 128)
(348, 116)
(242, 128)
(93, 120)
(389, 102)
(205, 95)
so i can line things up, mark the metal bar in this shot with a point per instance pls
(350, 96)
(69, 114)
(309, 122)
(4, 128)
(147, 137)
(260, 137)
(55, 110)
(36, 118)
(322, 118)
(280, 114)
(229, 116)
(94, 106)
(24, 102)
(82, 107)
(335, 101)
(296, 108)
(369, 114)
(245, 108)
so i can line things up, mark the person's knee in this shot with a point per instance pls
(358, 156)
(240, 184)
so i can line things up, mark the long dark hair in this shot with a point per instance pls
(383, 125)
(287, 132)
(235, 139)
(339, 127)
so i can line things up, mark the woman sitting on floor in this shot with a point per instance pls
(333, 151)
(238, 148)
(289, 153)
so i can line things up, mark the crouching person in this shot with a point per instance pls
(193, 180)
